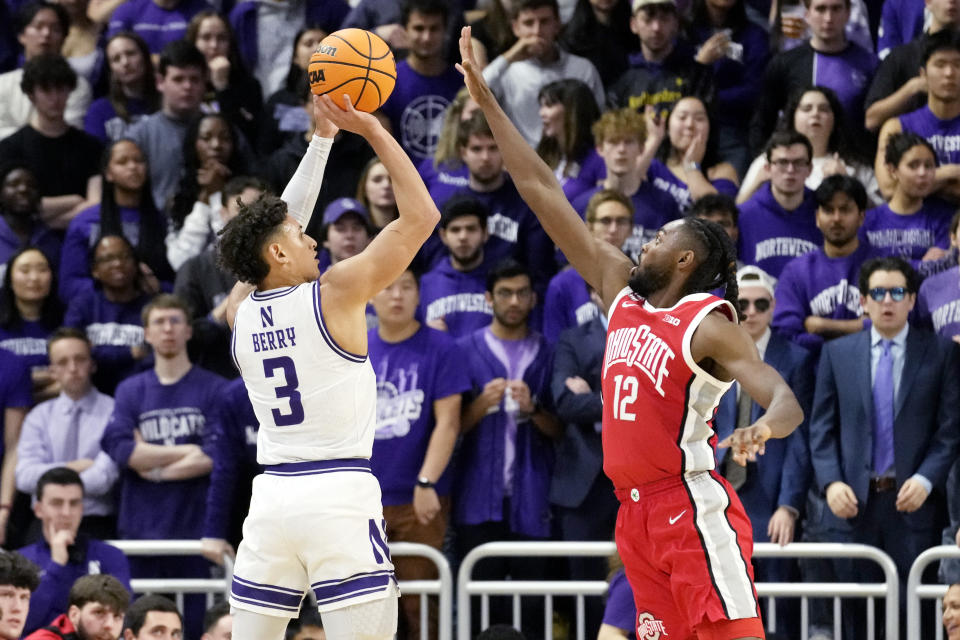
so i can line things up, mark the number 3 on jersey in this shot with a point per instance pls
(624, 397)
(286, 391)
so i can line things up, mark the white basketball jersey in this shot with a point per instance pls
(313, 399)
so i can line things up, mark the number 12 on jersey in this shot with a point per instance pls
(624, 397)
(286, 391)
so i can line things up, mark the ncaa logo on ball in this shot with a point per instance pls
(649, 628)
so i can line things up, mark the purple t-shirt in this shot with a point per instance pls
(103, 123)
(665, 180)
(771, 236)
(591, 170)
(567, 304)
(909, 236)
(164, 414)
(433, 177)
(456, 296)
(411, 376)
(939, 302)
(816, 285)
(82, 234)
(943, 135)
(621, 611)
(848, 73)
(652, 208)
(417, 106)
(15, 385)
(29, 341)
(158, 27)
(113, 330)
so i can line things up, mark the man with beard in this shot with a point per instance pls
(506, 456)
(672, 352)
(97, 605)
(817, 296)
(513, 229)
(452, 293)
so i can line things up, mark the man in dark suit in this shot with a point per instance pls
(583, 497)
(885, 425)
(773, 488)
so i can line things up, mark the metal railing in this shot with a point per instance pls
(917, 591)
(442, 587)
(466, 588)
(888, 590)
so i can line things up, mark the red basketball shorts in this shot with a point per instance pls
(686, 545)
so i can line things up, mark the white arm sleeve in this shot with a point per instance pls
(304, 187)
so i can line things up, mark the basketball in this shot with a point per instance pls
(353, 62)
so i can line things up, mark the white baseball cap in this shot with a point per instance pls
(752, 276)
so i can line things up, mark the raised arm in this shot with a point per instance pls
(302, 190)
(602, 265)
(355, 280)
(733, 350)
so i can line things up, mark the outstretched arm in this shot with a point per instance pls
(359, 278)
(733, 350)
(602, 265)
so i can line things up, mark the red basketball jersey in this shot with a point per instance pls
(658, 404)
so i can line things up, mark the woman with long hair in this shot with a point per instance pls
(688, 167)
(126, 208)
(29, 313)
(816, 112)
(210, 158)
(81, 47)
(231, 89)
(118, 296)
(737, 51)
(913, 224)
(375, 192)
(446, 167)
(599, 30)
(568, 110)
(283, 114)
(131, 88)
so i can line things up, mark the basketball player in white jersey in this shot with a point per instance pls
(300, 342)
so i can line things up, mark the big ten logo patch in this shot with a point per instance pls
(649, 628)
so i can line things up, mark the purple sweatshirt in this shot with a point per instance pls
(164, 414)
(771, 236)
(81, 235)
(909, 236)
(567, 304)
(943, 135)
(157, 26)
(816, 285)
(235, 455)
(938, 302)
(87, 557)
(652, 208)
(29, 341)
(456, 296)
(665, 180)
(411, 376)
(15, 385)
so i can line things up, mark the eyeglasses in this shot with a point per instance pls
(507, 294)
(762, 305)
(783, 164)
(897, 294)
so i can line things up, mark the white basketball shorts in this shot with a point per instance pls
(313, 525)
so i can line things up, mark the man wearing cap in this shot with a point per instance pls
(664, 70)
(347, 230)
(817, 294)
(772, 489)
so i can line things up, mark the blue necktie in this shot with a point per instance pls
(883, 411)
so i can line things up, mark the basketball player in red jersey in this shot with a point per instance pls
(672, 351)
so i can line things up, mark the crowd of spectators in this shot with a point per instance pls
(131, 131)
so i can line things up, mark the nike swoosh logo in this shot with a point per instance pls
(626, 303)
(677, 517)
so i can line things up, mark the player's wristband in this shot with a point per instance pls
(424, 483)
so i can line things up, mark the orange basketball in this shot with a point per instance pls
(353, 62)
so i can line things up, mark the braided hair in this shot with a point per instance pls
(718, 264)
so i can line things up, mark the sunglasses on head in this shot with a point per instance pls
(762, 305)
(896, 293)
